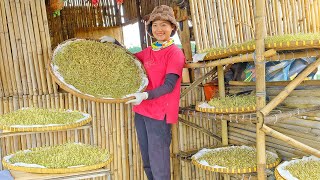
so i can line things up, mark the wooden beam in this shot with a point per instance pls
(276, 83)
(204, 130)
(232, 60)
(289, 88)
(290, 141)
(197, 82)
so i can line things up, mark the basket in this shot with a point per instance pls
(236, 110)
(71, 89)
(279, 43)
(75, 169)
(282, 174)
(38, 128)
(277, 175)
(231, 170)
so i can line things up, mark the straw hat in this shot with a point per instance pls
(162, 12)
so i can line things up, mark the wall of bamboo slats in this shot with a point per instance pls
(148, 6)
(221, 23)
(24, 49)
(81, 14)
(130, 12)
(111, 129)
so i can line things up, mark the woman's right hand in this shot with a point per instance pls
(104, 39)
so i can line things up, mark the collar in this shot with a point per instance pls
(156, 46)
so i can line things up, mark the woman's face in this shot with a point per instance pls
(162, 30)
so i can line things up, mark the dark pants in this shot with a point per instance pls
(154, 138)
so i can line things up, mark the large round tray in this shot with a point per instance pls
(38, 128)
(69, 88)
(226, 110)
(280, 174)
(232, 170)
(277, 175)
(305, 41)
(55, 170)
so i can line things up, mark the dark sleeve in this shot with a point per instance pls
(167, 87)
(117, 43)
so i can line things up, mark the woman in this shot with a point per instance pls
(157, 108)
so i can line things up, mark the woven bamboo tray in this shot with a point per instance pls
(38, 128)
(250, 47)
(10, 166)
(69, 88)
(277, 175)
(282, 174)
(236, 110)
(56, 171)
(232, 170)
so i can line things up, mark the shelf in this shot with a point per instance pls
(275, 115)
(19, 175)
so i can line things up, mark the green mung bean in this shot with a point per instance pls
(62, 156)
(38, 116)
(99, 69)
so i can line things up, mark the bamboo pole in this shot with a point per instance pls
(47, 45)
(3, 74)
(7, 52)
(32, 53)
(44, 48)
(33, 89)
(202, 129)
(276, 83)
(290, 141)
(175, 146)
(38, 47)
(123, 137)
(261, 86)
(232, 60)
(289, 88)
(278, 117)
(222, 94)
(196, 83)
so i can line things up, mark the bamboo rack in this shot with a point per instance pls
(233, 22)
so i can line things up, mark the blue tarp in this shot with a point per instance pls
(284, 70)
(5, 175)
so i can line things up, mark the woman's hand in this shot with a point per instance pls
(104, 39)
(139, 97)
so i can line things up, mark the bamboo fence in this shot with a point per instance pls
(25, 47)
(222, 23)
(81, 14)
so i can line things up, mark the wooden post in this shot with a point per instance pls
(184, 36)
(141, 27)
(222, 93)
(260, 86)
